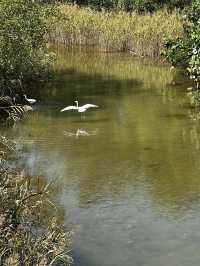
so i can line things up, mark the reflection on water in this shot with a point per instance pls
(128, 173)
(80, 132)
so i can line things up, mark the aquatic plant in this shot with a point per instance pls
(27, 236)
(116, 31)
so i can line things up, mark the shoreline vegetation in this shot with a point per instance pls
(28, 234)
(141, 35)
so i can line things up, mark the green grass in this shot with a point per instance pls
(142, 35)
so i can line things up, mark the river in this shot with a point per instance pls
(127, 173)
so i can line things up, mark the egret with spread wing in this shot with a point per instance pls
(80, 109)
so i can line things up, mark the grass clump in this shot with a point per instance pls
(27, 236)
(143, 35)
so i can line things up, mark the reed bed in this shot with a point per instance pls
(142, 35)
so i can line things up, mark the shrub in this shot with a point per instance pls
(139, 6)
(22, 45)
(185, 51)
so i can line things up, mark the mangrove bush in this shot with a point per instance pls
(22, 45)
(185, 50)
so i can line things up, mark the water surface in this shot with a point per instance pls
(127, 173)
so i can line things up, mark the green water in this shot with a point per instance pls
(127, 173)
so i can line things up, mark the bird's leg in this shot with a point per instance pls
(82, 116)
(77, 133)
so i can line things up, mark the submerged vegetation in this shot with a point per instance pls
(117, 31)
(27, 236)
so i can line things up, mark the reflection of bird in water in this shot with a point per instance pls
(80, 109)
(80, 132)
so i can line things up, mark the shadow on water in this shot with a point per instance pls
(66, 88)
(174, 116)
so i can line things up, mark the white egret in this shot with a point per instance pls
(80, 109)
(31, 101)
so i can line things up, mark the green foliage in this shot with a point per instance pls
(142, 6)
(186, 50)
(139, 6)
(22, 45)
(175, 51)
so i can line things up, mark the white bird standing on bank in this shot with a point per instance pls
(31, 101)
(80, 109)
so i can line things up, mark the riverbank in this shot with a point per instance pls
(29, 234)
(142, 35)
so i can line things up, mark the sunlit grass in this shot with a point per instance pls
(28, 236)
(116, 31)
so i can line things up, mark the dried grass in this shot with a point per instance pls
(27, 236)
(142, 35)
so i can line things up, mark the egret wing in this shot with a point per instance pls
(69, 108)
(88, 105)
(31, 101)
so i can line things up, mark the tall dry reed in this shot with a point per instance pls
(142, 35)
